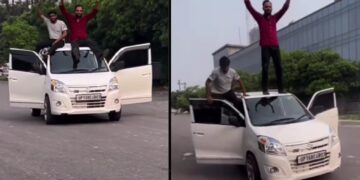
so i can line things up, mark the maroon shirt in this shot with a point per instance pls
(267, 24)
(78, 29)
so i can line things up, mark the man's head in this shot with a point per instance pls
(79, 11)
(224, 64)
(52, 16)
(267, 7)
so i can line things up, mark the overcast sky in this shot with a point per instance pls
(199, 27)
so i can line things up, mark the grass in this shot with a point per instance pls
(350, 117)
(3, 78)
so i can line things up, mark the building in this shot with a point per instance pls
(336, 27)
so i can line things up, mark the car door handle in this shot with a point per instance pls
(147, 74)
(199, 133)
(12, 79)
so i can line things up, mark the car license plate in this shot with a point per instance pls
(87, 97)
(311, 157)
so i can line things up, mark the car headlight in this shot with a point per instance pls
(58, 86)
(113, 84)
(334, 137)
(270, 145)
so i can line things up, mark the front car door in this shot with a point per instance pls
(323, 106)
(26, 80)
(133, 70)
(217, 132)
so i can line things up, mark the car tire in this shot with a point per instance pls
(48, 117)
(36, 112)
(114, 116)
(252, 168)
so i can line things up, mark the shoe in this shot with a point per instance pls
(282, 91)
(266, 92)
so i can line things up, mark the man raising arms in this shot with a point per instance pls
(269, 41)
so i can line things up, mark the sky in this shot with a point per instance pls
(200, 27)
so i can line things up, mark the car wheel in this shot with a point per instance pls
(48, 117)
(252, 169)
(36, 112)
(114, 116)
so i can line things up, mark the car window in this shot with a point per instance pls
(24, 61)
(216, 113)
(131, 59)
(322, 102)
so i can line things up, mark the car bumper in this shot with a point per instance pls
(62, 104)
(286, 171)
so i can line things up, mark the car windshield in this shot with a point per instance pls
(62, 63)
(276, 110)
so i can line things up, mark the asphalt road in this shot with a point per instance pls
(85, 147)
(184, 166)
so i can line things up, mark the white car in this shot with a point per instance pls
(62, 87)
(274, 135)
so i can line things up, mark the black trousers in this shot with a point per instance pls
(85, 42)
(49, 43)
(231, 97)
(274, 53)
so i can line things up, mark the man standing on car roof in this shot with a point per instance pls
(78, 29)
(219, 84)
(57, 31)
(269, 41)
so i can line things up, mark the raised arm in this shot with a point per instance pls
(282, 11)
(93, 13)
(39, 10)
(63, 10)
(252, 11)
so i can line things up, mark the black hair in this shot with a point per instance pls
(51, 12)
(266, 1)
(224, 61)
(78, 5)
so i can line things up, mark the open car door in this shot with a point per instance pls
(26, 79)
(132, 66)
(217, 132)
(323, 106)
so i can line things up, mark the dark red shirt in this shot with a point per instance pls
(78, 28)
(267, 24)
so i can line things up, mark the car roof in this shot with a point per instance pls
(67, 47)
(259, 94)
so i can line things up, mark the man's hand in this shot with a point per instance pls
(210, 99)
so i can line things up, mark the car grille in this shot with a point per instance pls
(76, 90)
(86, 89)
(294, 150)
(88, 104)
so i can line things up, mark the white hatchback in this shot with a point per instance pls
(60, 86)
(274, 135)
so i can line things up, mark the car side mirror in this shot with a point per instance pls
(235, 121)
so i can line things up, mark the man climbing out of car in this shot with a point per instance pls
(219, 84)
(269, 41)
(79, 34)
(57, 31)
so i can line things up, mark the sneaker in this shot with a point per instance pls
(282, 91)
(266, 92)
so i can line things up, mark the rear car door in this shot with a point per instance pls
(323, 106)
(217, 132)
(133, 70)
(26, 79)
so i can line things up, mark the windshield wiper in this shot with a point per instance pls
(306, 114)
(280, 121)
(75, 70)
